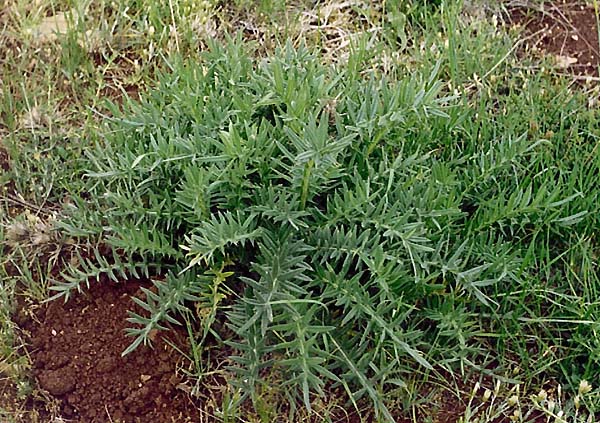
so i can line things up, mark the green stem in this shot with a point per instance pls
(305, 183)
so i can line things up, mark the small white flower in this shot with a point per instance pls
(542, 395)
(584, 387)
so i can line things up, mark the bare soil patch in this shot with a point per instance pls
(75, 350)
(76, 355)
(566, 30)
(4, 160)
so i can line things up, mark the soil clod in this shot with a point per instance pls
(76, 354)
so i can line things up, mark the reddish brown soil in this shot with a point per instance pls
(76, 353)
(4, 160)
(6, 184)
(75, 349)
(566, 28)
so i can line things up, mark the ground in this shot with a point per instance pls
(93, 381)
(567, 31)
(74, 367)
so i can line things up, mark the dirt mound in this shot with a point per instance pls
(567, 30)
(76, 353)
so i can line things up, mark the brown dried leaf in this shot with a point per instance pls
(48, 29)
(33, 118)
(564, 62)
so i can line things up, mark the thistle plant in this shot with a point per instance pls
(362, 235)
